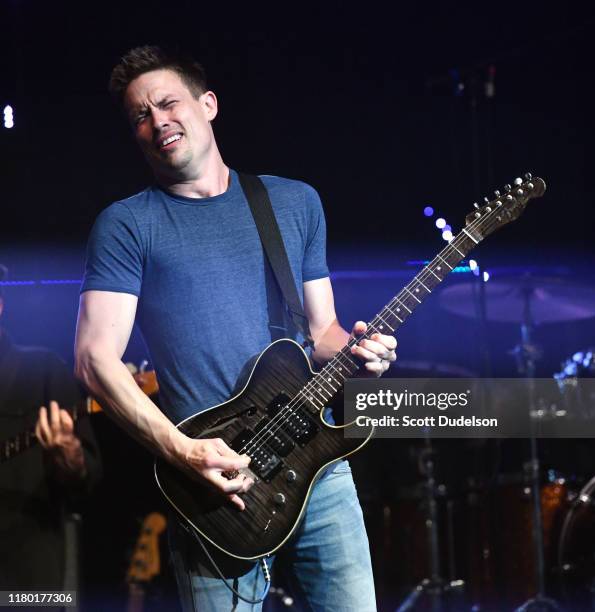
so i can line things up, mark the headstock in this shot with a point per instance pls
(504, 207)
(145, 563)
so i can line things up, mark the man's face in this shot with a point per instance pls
(171, 126)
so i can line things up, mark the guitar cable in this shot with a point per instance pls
(263, 564)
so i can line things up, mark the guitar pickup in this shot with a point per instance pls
(265, 463)
(295, 423)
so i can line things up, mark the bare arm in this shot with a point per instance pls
(329, 337)
(103, 329)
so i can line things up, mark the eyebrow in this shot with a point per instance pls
(137, 109)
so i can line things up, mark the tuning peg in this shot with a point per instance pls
(475, 205)
(530, 186)
(486, 200)
(519, 192)
(517, 182)
(507, 187)
(528, 176)
(497, 193)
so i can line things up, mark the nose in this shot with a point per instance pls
(159, 118)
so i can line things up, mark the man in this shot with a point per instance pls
(187, 253)
(39, 485)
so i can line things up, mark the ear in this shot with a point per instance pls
(210, 106)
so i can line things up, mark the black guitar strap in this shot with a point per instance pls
(272, 242)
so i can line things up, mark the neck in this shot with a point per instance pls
(211, 180)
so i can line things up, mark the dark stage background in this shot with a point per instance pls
(383, 108)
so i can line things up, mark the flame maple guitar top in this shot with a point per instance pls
(291, 451)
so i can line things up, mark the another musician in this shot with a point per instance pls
(39, 485)
(186, 254)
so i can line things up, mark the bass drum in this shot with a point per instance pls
(576, 548)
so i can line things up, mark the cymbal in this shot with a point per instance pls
(551, 300)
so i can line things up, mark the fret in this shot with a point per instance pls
(320, 390)
(444, 261)
(328, 382)
(432, 271)
(313, 400)
(393, 313)
(342, 354)
(411, 294)
(470, 236)
(428, 290)
(322, 380)
(457, 250)
(402, 304)
(385, 323)
(339, 371)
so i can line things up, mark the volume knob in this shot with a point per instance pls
(291, 476)
(279, 499)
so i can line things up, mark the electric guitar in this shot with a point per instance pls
(277, 418)
(15, 445)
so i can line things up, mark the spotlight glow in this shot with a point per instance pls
(440, 223)
(486, 277)
(447, 235)
(8, 117)
(428, 211)
(472, 264)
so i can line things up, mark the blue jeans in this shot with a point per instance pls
(328, 559)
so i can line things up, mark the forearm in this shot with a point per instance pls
(328, 341)
(108, 379)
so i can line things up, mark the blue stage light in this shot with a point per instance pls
(428, 211)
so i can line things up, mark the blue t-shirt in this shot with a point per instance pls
(197, 267)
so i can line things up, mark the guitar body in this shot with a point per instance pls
(286, 461)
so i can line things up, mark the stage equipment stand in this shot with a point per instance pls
(527, 353)
(434, 587)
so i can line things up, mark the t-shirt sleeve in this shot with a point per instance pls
(314, 265)
(114, 253)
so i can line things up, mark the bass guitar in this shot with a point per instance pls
(277, 419)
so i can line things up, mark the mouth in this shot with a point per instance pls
(169, 142)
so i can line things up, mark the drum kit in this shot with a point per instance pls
(469, 535)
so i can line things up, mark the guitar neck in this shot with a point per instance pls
(27, 439)
(343, 365)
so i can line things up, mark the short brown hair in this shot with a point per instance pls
(139, 60)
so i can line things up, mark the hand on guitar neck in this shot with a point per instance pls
(55, 432)
(377, 352)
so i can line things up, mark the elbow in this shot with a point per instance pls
(87, 363)
(82, 368)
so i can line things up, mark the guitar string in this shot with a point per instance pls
(281, 418)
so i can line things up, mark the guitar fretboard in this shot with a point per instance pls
(326, 383)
